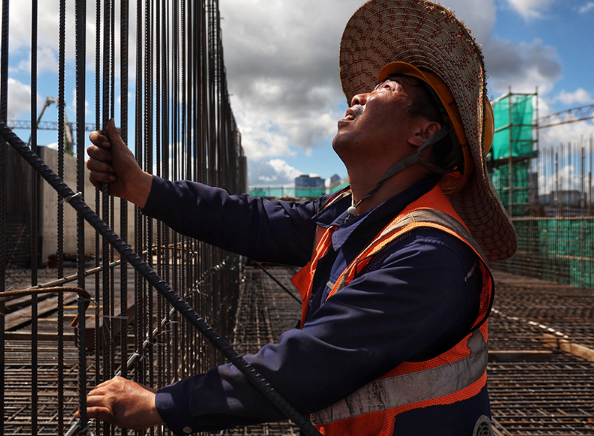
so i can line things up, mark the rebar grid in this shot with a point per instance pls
(536, 388)
(181, 126)
(265, 310)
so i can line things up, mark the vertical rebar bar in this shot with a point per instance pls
(140, 329)
(106, 300)
(3, 116)
(148, 158)
(34, 223)
(590, 179)
(510, 157)
(124, 40)
(60, 211)
(98, 205)
(80, 12)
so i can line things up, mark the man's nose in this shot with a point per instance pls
(359, 99)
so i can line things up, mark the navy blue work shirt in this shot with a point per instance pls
(418, 298)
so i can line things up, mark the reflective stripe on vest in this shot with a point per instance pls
(388, 393)
(455, 375)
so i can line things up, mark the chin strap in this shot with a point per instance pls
(404, 163)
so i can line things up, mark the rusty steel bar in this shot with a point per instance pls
(60, 212)
(80, 42)
(3, 160)
(34, 222)
(124, 42)
(106, 300)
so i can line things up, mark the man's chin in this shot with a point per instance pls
(343, 149)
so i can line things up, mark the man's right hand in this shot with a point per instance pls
(112, 162)
(123, 403)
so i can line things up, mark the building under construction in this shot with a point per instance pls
(94, 311)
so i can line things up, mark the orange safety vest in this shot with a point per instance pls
(455, 375)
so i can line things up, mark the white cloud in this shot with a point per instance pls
(273, 172)
(19, 98)
(282, 73)
(47, 61)
(586, 8)
(522, 66)
(48, 28)
(479, 16)
(73, 105)
(554, 149)
(566, 179)
(565, 133)
(260, 137)
(531, 8)
(545, 107)
(579, 96)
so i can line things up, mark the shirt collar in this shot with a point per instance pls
(335, 214)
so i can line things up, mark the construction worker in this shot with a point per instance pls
(396, 295)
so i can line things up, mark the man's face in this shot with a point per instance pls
(377, 120)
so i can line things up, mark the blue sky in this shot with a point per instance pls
(565, 27)
(282, 60)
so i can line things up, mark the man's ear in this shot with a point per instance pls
(424, 130)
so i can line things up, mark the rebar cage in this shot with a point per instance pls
(157, 69)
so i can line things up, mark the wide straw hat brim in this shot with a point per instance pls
(429, 37)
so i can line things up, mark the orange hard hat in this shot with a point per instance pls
(455, 180)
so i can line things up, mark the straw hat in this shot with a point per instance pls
(429, 37)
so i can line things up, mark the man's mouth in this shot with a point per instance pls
(349, 114)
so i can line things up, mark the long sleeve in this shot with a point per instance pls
(264, 230)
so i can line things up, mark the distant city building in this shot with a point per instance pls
(335, 180)
(571, 198)
(306, 186)
(305, 181)
(565, 203)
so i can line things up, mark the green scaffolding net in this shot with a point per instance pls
(513, 146)
(514, 127)
(519, 194)
(557, 250)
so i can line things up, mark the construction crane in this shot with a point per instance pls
(67, 126)
(51, 125)
(567, 116)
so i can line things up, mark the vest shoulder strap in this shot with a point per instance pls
(433, 216)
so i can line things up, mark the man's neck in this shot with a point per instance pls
(390, 187)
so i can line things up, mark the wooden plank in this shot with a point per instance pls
(115, 327)
(22, 316)
(569, 347)
(41, 336)
(519, 355)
